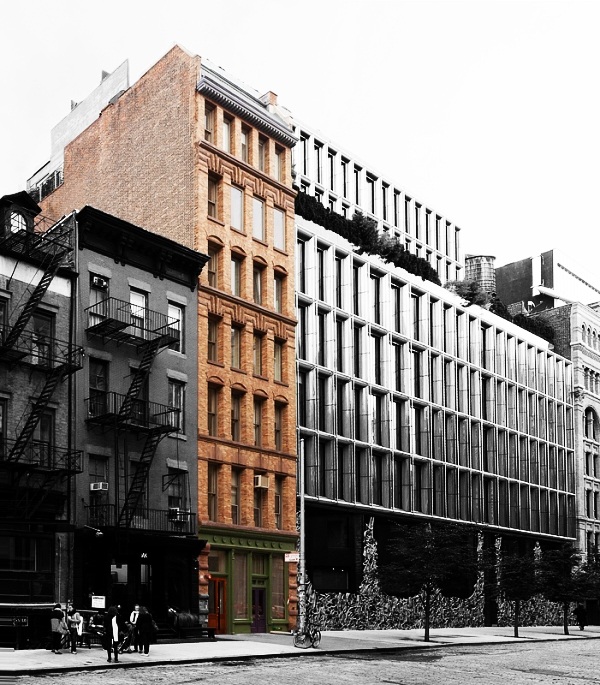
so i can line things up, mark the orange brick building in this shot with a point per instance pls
(188, 153)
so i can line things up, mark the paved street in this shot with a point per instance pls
(569, 662)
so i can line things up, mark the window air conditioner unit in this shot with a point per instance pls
(261, 482)
(99, 282)
(95, 487)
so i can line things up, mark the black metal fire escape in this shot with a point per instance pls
(114, 320)
(31, 463)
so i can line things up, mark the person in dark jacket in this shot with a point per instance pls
(75, 626)
(581, 616)
(111, 633)
(145, 628)
(59, 628)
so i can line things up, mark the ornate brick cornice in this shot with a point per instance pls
(225, 94)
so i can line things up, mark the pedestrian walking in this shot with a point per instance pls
(133, 631)
(145, 628)
(75, 626)
(581, 616)
(111, 634)
(58, 628)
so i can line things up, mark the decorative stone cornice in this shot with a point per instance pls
(234, 100)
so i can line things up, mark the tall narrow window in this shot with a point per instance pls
(236, 346)
(258, 506)
(227, 128)
(258, 219)
(236, 416)
(236, 276)
(237, 209)
(278, 293)
(279, 168)
(257, 283)
(98, 378)
(177, 401)
(344, 177)
(213, 408)
(212, 268)
(279, 409)
(278, 508)
(138, 300)
(213, 480)
(257, 348)
(235, 496)
(318, 161)
(278, 360)
(279, 229)
(213, 340)
(262, 153)
(213, 196)
(41, 341)
(357, 171)
(258, 411)
(175, 312)
(209, 122)
(245, 144)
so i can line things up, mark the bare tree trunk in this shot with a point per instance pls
(517, 616)
(427, 611)
(566, 617)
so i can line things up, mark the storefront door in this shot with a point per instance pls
(259, 614)
(217, 604)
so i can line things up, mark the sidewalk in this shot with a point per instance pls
(236, 647)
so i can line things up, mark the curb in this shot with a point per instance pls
(421, 646)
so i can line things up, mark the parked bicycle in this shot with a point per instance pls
(311, 636)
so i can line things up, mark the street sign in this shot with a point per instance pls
(292, 557)
(20, 621)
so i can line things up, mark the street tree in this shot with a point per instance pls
(562, 578)
(417, 559)
(516, 580)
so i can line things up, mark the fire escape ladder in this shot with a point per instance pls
(138, 482)
(139, 377)
(33, 301)
(52, 380)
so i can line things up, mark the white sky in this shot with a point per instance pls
(485, 111)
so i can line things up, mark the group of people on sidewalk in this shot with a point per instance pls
(134, 636)
(118, 636)
(70, 624)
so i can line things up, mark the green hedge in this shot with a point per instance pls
(362, 232)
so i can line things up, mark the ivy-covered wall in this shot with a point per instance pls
(371, 609)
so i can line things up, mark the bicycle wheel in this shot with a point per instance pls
(300, 640)
(315, 638)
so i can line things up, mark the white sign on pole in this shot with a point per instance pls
(292, 557)
(98, 602)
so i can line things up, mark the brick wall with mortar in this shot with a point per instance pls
(560, 320)
(137, 160)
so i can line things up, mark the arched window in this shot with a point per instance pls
(590, 424)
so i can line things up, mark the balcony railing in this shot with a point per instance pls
(175, 521)
(42, 352)
(43, 456)
(123, 321)
(47, 240)
(106, 408)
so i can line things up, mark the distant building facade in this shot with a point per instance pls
(547, 280)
